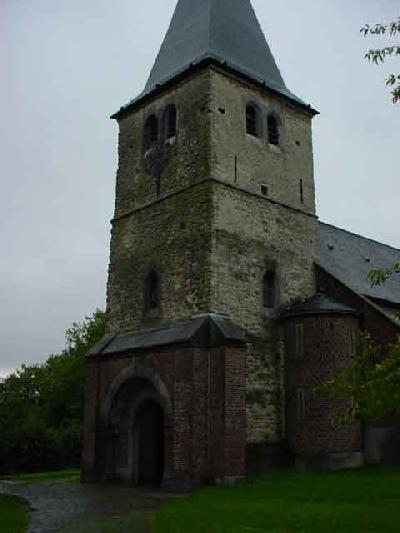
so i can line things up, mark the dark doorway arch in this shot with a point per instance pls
(149, 446)
(137, 443)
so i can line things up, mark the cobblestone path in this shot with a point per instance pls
(58, 506)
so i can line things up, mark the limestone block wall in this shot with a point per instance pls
(172, 236)
(252, 232)
(176, 163)
(251, 162)
(249, 234)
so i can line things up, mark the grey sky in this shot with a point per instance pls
(66, 65)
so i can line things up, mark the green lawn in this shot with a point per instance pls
(60, 475)
(287, 501)
(13, 518)
(132, 522)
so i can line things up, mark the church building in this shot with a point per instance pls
(228, 301)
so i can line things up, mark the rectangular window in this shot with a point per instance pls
(299, 340)
(301, 404)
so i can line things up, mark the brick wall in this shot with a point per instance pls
(206, 388)
(327, 350)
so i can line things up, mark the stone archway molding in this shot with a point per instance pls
(156, 391)
(136, 370)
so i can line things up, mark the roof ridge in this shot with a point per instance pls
(360, 236)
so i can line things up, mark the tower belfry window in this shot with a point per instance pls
(150, 131)
(169, 119)
(252, 120)
(273, 130)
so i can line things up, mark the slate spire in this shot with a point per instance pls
(225, 31)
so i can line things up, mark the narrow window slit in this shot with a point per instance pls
(301, 192)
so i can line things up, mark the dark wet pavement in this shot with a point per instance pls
(56, 505)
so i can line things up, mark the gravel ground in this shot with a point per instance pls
(57, 505)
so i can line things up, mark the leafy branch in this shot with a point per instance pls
(371, 382)
(381, 275)
(379, 55)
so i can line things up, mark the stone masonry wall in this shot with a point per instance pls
(178, 162)
(167, 230)
(280, 168)
(251, 233)
(212, 240)
(173, 237)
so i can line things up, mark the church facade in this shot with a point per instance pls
(228, 301)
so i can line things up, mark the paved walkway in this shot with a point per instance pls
(57, 505)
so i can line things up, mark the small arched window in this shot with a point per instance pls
(269, 289)
(273, 130)
(169, 120)
(151, 291)
(252, 120)
(150, 131)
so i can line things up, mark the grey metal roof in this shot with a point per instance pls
(204, 330)
(318, 304)
(226, 31)
(350, 257)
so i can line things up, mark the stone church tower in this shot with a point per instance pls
(214, 232)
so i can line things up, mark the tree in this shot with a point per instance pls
(372, 379)
(379, 55)
(41, 406)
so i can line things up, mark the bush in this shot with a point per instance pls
(41, 406)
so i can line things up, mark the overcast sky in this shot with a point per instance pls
(66, 65)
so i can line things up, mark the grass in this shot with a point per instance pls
(132, 522)
(286, 501)
(13, 518)
(60, 475)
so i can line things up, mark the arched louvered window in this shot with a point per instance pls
(252, 120)
(273, 130)
(151, 291)
(170, 123)
(269, 289)
(150, 131)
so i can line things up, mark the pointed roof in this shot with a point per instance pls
(225, 32)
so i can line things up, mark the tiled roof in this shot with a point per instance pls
(350, 257)
(204, 330)
(318, 304)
